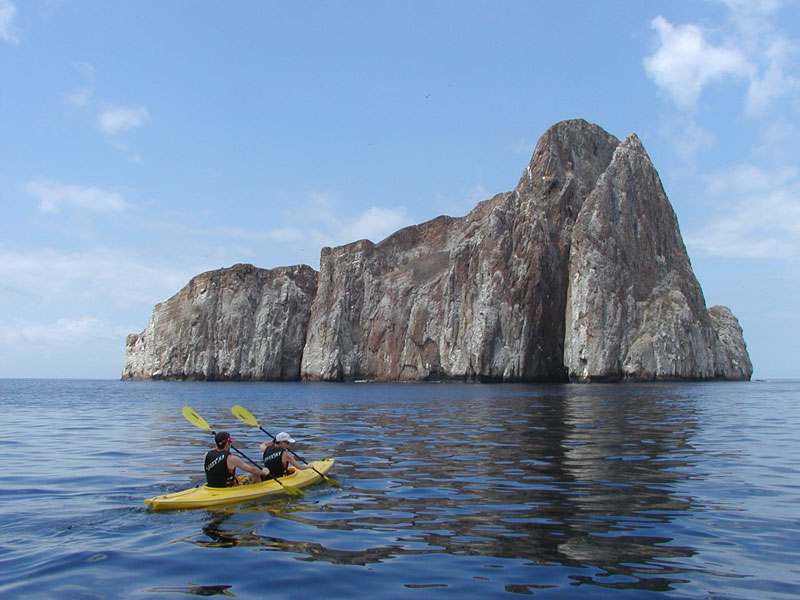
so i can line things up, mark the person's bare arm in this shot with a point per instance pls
(293, 460)
(235, 461)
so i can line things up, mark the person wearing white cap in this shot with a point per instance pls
(277, 456)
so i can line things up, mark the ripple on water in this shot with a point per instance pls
(453, 490)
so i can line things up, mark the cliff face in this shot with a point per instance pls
(478, 297)
(578, 273)
(634, 308)
(237, 323)
(731, 351)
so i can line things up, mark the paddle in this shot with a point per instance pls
(246, 417)
(191, 415)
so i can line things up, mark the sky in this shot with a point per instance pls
(142, 143)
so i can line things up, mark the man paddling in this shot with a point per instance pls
(221, 465)
(277, 456)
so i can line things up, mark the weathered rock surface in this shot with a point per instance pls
(579, 273)
(731, 349)
(477, 297)
(240, 323)
(635, 309)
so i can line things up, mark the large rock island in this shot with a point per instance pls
(579, 273)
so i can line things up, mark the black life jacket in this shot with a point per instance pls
(217, 473)
(273, 460)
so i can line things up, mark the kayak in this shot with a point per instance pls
(203, 496)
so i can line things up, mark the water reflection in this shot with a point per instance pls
(195, 590)
(565, 476)
(689, 488)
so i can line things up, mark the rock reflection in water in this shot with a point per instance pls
(563, 476)
(215, 536)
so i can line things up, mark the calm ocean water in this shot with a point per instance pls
(661, 491)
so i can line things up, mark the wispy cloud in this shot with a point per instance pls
(8, 30)
(317, 220)
(687, 138)
(53, 196)
(122, 118)
(778, 140)
(103, 276)
(61, 332)
(522, 146)
(85, 69)
(750, 47)
(80, 97)
(331, 226)
(760, 214)
(685, 61)
(773, 81)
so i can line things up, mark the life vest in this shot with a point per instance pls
(273, 460)
(217, 472)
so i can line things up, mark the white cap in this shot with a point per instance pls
(284, 437)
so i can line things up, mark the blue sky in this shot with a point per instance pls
(142, 143)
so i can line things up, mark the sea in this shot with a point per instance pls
(663, 490)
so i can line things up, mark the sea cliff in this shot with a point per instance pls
(579, 273)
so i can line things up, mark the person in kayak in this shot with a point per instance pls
(221, 464)
(277, 456)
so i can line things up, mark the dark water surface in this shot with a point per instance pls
(664, 490)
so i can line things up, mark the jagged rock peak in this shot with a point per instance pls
(635, 310)
(569, 148)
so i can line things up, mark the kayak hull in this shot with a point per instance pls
(203, 496)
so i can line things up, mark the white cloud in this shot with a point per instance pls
(80, 97)
(685, 61)
(61, 332)
(122, 118)
(773, 81)
(778, 140)
(328, 226)
(749, 180)
(752, 48)
(102, 276)
(687, 138)
(285, 234)
(376, 223)
(753, 18)
(52, 196)
(84, 69)
(316, 222)
(759, 214)
(8, 31)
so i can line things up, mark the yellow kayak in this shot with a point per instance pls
(204, 496)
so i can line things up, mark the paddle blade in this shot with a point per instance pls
(326, 478)
(191, 415)
(332, 481)
(244, 415)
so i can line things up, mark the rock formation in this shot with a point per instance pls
(240, 323)
(634, 307)
(731, 349)
(579, 273)
(478, 297)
